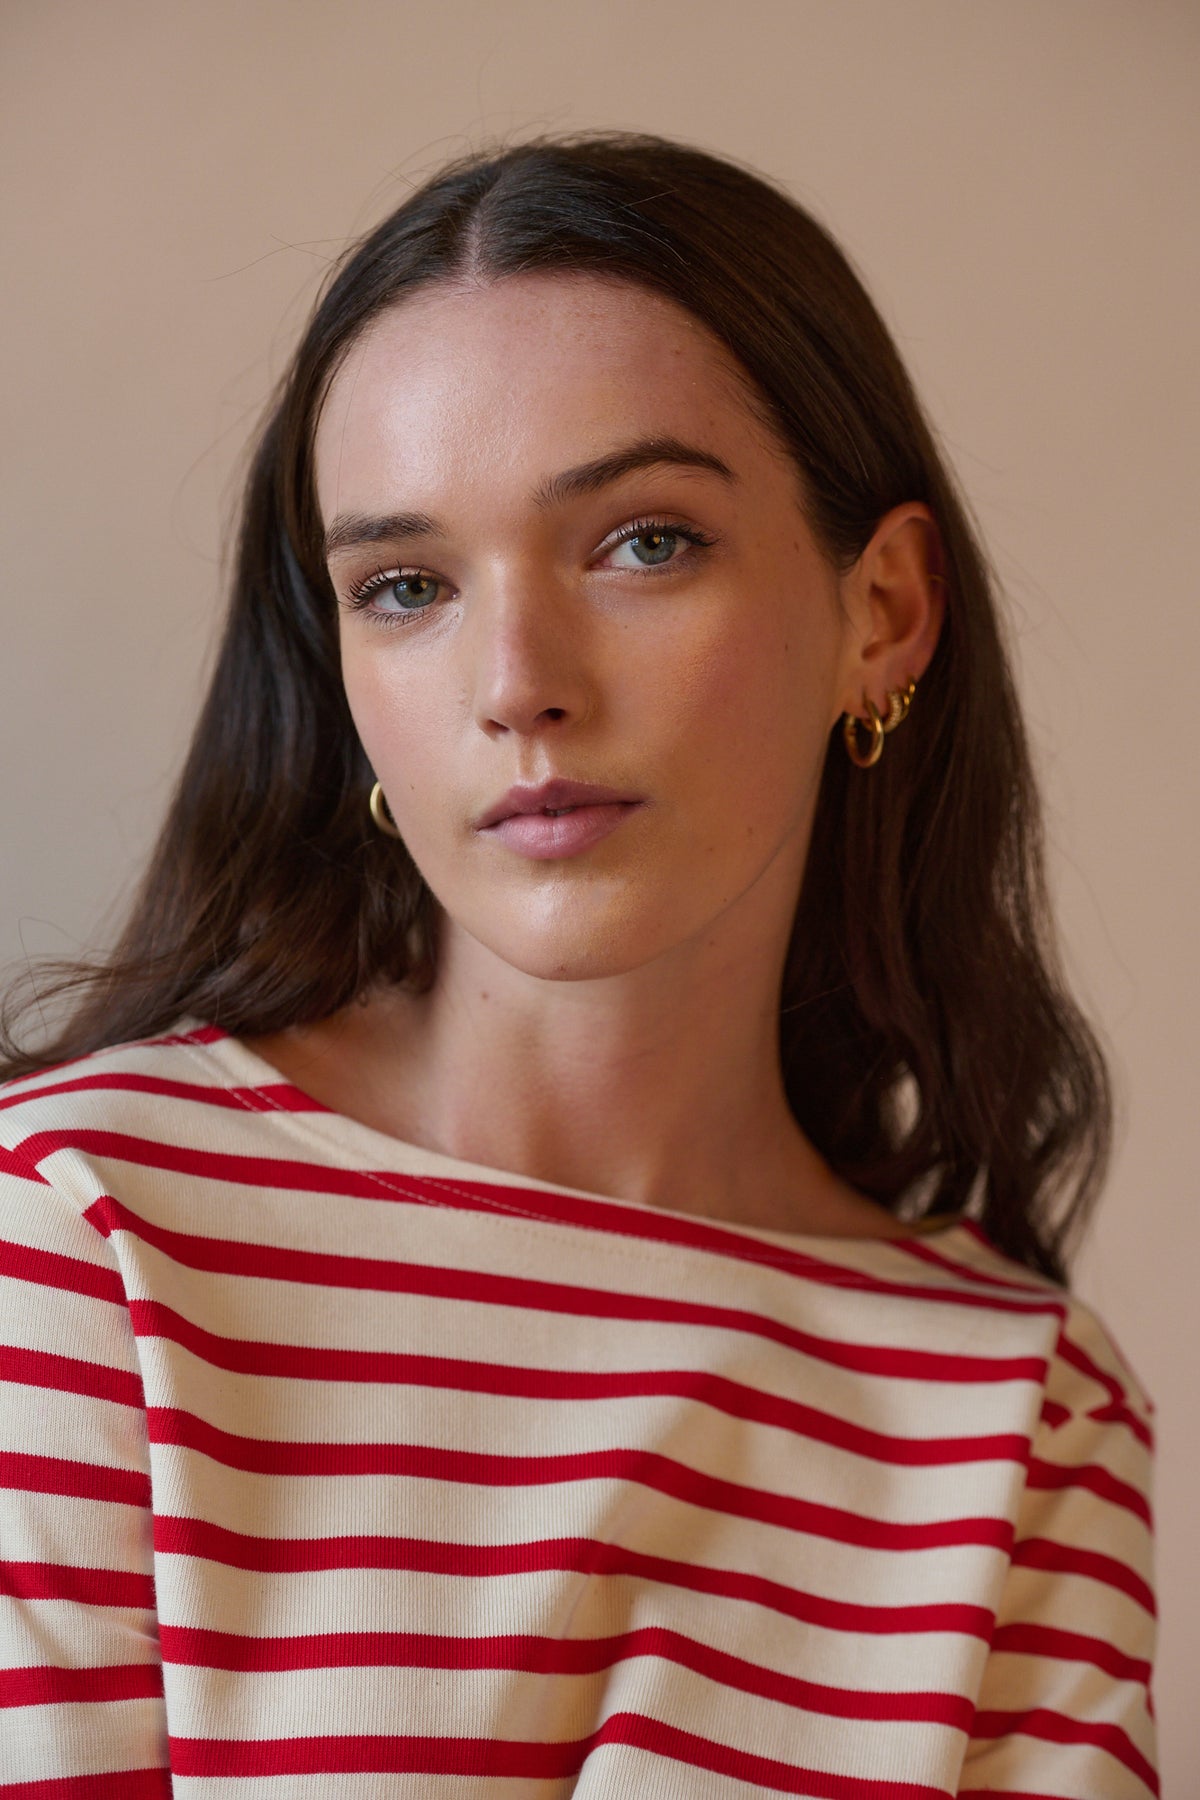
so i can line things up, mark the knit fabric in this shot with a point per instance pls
(333, 1467)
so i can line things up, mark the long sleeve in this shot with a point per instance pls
(80, 1677)
(1064, 1708)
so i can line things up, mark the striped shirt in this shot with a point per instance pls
(333, 1467)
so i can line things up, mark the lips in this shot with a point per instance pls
(555, 796)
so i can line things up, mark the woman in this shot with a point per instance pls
(537, 1266)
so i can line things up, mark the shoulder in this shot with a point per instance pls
(1091, 1462)
(1086, 1373)
(1092, 1467)
(1092, 1378)
(1066, 1686)
(58, 1129)
(1086, 1510)
(121, 1087)
(62, 1127)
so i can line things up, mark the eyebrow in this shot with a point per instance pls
(351, 530)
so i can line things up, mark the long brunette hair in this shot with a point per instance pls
(928, 1043)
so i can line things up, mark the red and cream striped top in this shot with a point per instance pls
(332, 1467)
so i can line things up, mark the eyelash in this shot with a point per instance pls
(360, 595)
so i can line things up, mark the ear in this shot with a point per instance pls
(894, 599)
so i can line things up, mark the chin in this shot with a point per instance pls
(562, 950)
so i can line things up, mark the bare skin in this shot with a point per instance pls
(607, 1021)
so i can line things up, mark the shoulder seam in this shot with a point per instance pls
(16, 1154)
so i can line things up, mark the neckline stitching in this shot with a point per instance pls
(747, 1248)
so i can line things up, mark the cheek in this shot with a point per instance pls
(395, 716)
(754, 711)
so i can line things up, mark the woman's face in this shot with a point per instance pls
(564, 547)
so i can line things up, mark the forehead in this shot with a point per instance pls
(522, 376)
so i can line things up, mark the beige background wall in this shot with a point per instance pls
(1017, 180)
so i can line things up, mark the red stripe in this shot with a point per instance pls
(1054, 1728)
(69, 1273)
(15, 1162)
(85, 1481)
(651, 1223)
(275, 1556)
(1004, 1794)
(1053, 1414)
(198, 1034)
(1047, 1477)
(50, 1687)
(273, 1097)
(192, 1757)
(621, 1220)
(269, 1262)
(268, 1456)
(88, 1587)
(126, 1784)
(923, 1251)
(1061, 1559)
(1071, 1646)
(555, 1656)
(302, 1362)
(202, 1034)
(1118, 1411)
(69, 1375)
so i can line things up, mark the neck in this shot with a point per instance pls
(660, 1085)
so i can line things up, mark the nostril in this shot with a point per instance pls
(521, 721)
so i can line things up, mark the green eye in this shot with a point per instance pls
(653, 546)
(393, 595)
(413, 591)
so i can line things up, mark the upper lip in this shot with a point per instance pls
(549, 797)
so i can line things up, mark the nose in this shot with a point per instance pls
(527, 646)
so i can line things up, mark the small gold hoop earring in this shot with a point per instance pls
(899, 701)
(380, 813)
(864, 759)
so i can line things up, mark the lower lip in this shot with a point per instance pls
(545, 839)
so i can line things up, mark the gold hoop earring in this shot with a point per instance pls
(863, 759)
(380, 813)
(899, 701)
